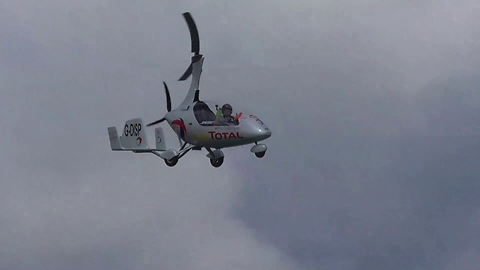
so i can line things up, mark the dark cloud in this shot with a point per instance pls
(374, 202)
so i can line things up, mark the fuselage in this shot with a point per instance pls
(198, 124)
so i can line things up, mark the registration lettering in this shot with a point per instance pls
(224, 135)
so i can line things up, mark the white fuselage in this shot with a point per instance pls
(195, 124)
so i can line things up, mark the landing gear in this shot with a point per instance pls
(216, 162)
(171, 156)
(259, 150)
(216, 157)
(171, 162)
(260, 154)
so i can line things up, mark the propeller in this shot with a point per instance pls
(169, 101)
(195, 44)
(169, 106)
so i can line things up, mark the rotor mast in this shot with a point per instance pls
(194, 69)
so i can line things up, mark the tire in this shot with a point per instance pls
(172, 162)
(216, 162)
(260, 155)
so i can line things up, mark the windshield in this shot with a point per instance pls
(210, 113)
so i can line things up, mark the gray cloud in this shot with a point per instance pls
(356, 176)
(381, 172)
(65, 202)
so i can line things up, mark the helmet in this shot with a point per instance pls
(226, 106)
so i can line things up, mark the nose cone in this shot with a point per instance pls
(260, 131)
(263, 133)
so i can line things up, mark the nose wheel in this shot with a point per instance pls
(260, 154)
(259, 150)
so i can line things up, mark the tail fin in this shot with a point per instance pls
(134, 136)
(160, 140)
(114, 141)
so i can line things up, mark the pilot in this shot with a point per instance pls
(219, 111)
(227, 119)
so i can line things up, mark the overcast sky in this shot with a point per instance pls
(374, 108)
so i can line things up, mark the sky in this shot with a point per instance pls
(374, 108)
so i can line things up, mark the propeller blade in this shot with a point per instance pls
(169, 106)
(156, 122)
(193, 32)
(187, 73)
(167, 93)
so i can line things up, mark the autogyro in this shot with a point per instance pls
(198, 123)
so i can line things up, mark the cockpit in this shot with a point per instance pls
(203, 114)
(223, 115)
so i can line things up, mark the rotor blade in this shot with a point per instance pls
(193, 32)
(156, 122)
(187, 73)
(167, 93)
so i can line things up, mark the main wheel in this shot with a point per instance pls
(261, 154)
(172, 162)
(216, 162)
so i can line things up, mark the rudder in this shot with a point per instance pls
(114, 140)
(160, 144)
